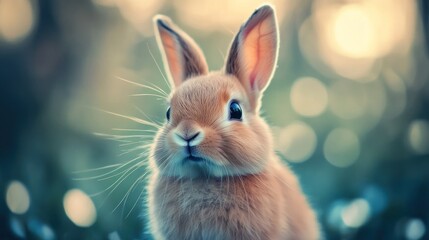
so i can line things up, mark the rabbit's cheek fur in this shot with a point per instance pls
(210, 146)
(246, 145)
(161, 153)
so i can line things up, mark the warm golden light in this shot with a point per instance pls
(17, 198)
(79, 208)
(16, 19)
(351, 38)
(367, 29)
(353, 33)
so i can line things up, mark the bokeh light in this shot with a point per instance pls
(418, 136)
(79, 208)
(138, 13)
(204, 14)
(365, 29)
(348, 38)
(348, 100)
(309, 97)
(297, 142)
(376, 198)
(414, 229)
(16, 19)
(334, 214)
(353, 34)
(17, 227)
(17, 197)
(356, 213)
(41, 230)
(113, 236)
(341, 147)
(321, 57)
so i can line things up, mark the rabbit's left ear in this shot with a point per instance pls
(253, 54)
(181, 55)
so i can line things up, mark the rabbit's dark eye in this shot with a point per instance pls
(168, 114)
(235, 112)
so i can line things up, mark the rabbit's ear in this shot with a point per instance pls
(253, 53)
(181, 55)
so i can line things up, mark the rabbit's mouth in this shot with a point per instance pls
(197, 160)
(193, 154)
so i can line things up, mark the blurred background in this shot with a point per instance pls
(348, 106)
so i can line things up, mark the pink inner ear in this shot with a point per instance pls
(253, 52)
(258, 55)
(173, 58)
(252, 79)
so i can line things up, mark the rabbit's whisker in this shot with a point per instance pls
(133, 130)
(156, 89)
(159, 69)
(134, 119)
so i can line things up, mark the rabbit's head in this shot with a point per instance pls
(212, 126)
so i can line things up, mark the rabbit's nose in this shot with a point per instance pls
(188, 133)
(188, 139)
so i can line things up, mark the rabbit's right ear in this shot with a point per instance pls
(181, 55)
(253, 54)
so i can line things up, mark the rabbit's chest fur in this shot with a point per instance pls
(245, 207)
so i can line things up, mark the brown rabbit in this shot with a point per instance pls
(215, 172)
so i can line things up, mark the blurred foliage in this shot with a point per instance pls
(348, 107)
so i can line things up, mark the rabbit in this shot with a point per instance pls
(215, 174)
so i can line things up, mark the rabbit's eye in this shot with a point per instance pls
(168, 114)
(235, 112)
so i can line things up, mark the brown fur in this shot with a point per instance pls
(260, 206)
(240, 190)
